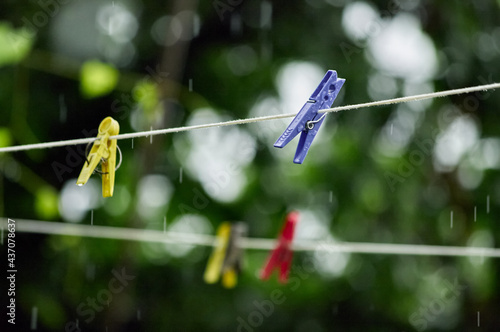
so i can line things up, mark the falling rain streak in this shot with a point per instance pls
(235, 24)
(266, 14)
(196, 25)
(34, 318)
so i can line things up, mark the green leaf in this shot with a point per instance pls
(14, 44)
(97, 78)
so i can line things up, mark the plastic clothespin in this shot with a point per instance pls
(233, 262)
(281, 257)
(308, 121)
(226, 256)
(216, 260)
(104, 151)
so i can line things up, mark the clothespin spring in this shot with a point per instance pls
(95, 169)
(310, 124)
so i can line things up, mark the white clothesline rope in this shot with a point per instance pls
(415, 98)
(147, 235)
(251, 120)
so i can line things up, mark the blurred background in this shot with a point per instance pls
(416, 173)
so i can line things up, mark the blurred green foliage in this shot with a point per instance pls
(15, 45)
(97, 79)
(383, 175)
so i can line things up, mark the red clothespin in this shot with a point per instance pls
(281, 256)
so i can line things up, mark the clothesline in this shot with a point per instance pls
(147, 235)
(251, 120)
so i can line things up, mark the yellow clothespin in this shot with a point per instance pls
(216, 260)
(226, 256)
(104, 151)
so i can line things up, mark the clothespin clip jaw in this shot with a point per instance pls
(226, 258)
(104, 151)
(281, 257)
(308, 120)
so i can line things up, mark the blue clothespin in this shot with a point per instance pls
(308, 120)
